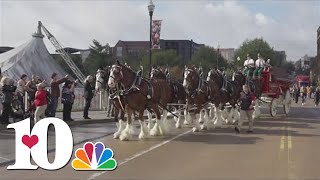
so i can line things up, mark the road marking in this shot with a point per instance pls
(289, 142)
(282, 143)
(95, 175)
(291, 165)
(282, 140)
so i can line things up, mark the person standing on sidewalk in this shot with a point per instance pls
(22, 87)
(40, 102)
(55, 93)
(67, 99)
(246, 109)
(8, 91)
(88, 95)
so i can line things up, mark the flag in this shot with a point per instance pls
(155, 34)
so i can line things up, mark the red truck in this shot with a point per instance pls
(302, 80)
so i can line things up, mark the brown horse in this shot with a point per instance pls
(229, 92)
(178, 95)
(199, 93)
(139, 96)
(102, 77)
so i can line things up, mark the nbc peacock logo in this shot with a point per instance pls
(94, 157)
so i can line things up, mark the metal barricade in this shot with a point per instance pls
(99, 101)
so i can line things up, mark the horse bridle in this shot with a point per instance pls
(102, 75)
(198, 89)
(120, 71)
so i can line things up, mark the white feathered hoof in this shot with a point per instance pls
(164, 127)
(217, 123)
(116, 135)
(201, 120)
(203, 127)
(120, 127)
(150, 125)
(175, 119)
(125, 136)
(186, 122)
(195, 129)
(155, 131)
(178, 124)
(143, 134)
(144, 131)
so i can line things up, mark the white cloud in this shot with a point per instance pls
(261, 20)
(76, 23)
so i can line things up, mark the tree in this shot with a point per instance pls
(253, 47)
(207, 58)
(76, 58)
(100, 55)
(161, 58)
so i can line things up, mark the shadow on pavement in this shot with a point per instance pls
(212, 138)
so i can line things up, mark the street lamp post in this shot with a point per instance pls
(150, 9)
(218, 56)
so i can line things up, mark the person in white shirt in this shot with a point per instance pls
(248, 65)
(260, 64)
(249, 62)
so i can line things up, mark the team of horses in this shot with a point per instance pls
(131, 94)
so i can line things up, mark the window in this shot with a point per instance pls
(119, 51)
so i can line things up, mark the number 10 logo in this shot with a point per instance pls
(35, 143)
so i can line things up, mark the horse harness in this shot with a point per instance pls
(123, 93)
(199, 90)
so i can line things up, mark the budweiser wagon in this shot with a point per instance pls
(275, 89)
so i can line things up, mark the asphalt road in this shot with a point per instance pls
(280, 148)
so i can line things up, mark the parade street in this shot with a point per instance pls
(280, 148)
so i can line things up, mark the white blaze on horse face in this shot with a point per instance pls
(185, 83)
(111, 82)
(209, 74)
(99, 81)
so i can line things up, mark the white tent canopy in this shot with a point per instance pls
(31, 58)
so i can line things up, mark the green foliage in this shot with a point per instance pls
(207, 58)
(288, 66)
(76, 58)
(253, 47)
(100, 55)
(161, 58)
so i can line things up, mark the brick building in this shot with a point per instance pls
(184, 48)
(134, 50)
(130, 49)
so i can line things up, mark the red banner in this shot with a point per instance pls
(155, 36)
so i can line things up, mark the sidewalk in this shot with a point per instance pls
(96, 117)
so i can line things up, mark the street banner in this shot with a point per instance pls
(155, 35)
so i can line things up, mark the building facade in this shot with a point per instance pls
(130, 49)
(184, 48)
(305, 62)
(227, 53)
(136, 49)
(281, 57)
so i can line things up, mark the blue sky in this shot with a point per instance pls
(286, 25)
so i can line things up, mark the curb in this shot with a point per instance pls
(90, 121)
